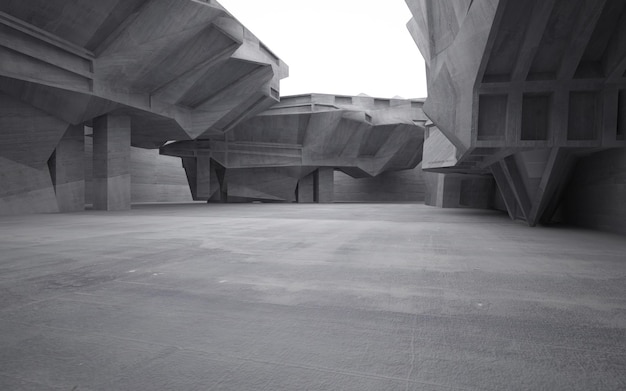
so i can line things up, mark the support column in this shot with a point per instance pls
(111, 163)
(67, 170)
(305, 191)
(203, 177)
(198, 170)
(324, 185)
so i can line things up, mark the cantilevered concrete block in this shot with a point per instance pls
(520, 90)
(181, 70)
(269, 156)
(111, 162)
(67, 170)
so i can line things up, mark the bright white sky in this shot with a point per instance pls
(342, 47)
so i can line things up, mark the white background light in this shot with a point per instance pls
(338, 46)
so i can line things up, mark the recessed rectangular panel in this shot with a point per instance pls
(382, 103)
(583, 114)
(343, 100)
(535, 117)
(492, 117)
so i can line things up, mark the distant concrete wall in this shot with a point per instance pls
(154, 178)
(596, 196)
(396, 186)
(459, 190)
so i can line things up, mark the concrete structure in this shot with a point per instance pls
(310, 297)
(289, 151)
(153, 177)
(141, 72)
(391, 186)
(519, 92)
(145, 73)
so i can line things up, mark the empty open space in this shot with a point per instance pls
(308, 297)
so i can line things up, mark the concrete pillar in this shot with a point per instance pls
(111, 163)
(324, 185)
(305, 191)
(203, 177)
(198, 170)
(67, 170)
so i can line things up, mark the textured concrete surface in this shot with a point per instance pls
(308, 297)
(506, 98)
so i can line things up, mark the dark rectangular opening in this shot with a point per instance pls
(535, 116)
(534, 76)
(583, 114)
(492, 117)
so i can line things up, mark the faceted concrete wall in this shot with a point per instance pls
(397, 186)
(459, 190)
(28, 137)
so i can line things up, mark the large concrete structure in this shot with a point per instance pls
(310, 297)
(141, 72)
(144, 73)
(519, 91)
(523, 97)
(289, 152)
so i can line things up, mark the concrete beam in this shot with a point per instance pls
(584, 27)
(532, 39)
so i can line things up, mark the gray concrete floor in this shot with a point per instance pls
(308, 297)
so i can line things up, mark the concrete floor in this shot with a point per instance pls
(308, 297)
